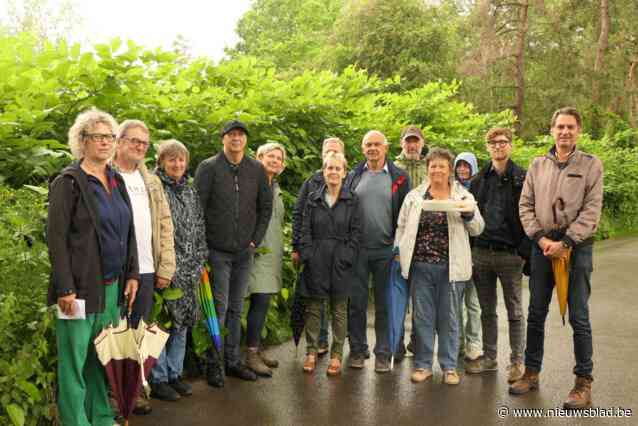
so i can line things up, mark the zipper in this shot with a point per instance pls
(236, 222)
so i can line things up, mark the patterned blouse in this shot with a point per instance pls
(432, 239)
(191, 250)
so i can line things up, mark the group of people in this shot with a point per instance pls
(117, 233)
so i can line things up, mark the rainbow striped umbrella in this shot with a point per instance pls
(207, 305)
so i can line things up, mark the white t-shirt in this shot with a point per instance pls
(142, 219)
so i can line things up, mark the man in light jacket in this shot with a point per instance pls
(560, 209)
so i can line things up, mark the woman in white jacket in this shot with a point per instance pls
(434, 248)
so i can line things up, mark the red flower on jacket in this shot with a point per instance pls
(397, 183)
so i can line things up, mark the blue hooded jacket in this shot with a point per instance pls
(470, 159)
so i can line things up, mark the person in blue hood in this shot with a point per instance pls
(465, 167)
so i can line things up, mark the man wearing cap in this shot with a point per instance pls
(412, 160)
(381, 187)
(237, 203)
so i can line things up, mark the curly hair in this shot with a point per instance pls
(440, 154)
(498, 131)
(84, 122)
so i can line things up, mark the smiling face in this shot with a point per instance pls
(273, 162)
(374, 147)
(500, 148)
(133, 145)
(439, 171)
(235, 141)
(175, 166)
(565, 132)
(334, 171)
(99, 143)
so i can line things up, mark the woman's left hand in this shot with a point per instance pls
(130, 292)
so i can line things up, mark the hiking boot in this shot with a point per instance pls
(516, 371)
(271, 363)
(381, 365)
(528, 382)
(481, 365)
(255, 363)
(421, 375)
(184, 389)
(241, 372)
(451, 377)
(357, 361)
(580, 396)
(164, 392)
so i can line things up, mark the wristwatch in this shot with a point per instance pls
(565, 244)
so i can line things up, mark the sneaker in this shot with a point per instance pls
(451, 377)
(256, 364)
(473, 353)
(357, 361)
(529, 382)
(516, 371)
(481, 365)
(381, 365)
(184, 389)
(421, 375)
(164, 392)
(580, 396)
(241, 372)
(270, 363)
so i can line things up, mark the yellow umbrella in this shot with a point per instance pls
(560, 267)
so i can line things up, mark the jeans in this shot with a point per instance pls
(470, 330)
(508, 268)
(256, 318)
(143, 305)
(377, 263)
(436, 301)
(339, 310)
(541, 286)
(171, 361)
(230, 281)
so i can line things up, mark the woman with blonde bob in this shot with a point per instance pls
(434, 252)
(93, 256)
(329, 243)
(265, 276)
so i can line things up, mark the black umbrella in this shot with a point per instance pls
(298, 311)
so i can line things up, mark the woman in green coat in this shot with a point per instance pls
(265, 279)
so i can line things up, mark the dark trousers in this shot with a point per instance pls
(143, 305)
(256, 318)
(541, 286)
(375, 262)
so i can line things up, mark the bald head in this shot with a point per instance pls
(374, 135)
(375, 147)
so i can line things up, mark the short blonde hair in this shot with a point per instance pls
(333, 140)
(84, 122)
(440, 154)
(271, 146)
(131, 124)
(335, 156)
(169, 149)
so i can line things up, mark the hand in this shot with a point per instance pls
(554, 249)
(130, 292)
(252, 245)
(468, 215)
(295, 258)
(67, 304)
(466, 206)
(162, 282)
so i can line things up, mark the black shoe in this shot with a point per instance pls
(410, 346)
(215, 378)
(163, 392)
(184, 389)
(366, 354)
(241, 372)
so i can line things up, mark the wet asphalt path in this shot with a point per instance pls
(362, 397)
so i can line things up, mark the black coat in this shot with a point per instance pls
(329, 244)
(312, 184)
(74, 244)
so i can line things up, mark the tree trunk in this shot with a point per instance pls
(603, 43)
(630, 87)
(519, 66)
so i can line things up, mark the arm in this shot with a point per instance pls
(587, 220)
(203, 181)
(61, 204)
(166, 264)
(402, 221)
(200, 229)
(305, 238)
(474, 223)
(526, 206)
(264, 207)
(297, 214)
(355, 231)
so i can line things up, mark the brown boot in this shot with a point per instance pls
(528, 382)
(580, 396)
(254, 362)
(272, 363)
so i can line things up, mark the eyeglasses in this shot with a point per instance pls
(498, 143)
(99, 137)
(138, 142)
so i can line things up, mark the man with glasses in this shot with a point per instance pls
(153, 232)
(497, 252)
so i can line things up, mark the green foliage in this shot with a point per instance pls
(160, 313)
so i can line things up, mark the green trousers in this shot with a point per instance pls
(82, 389)
(339, 311)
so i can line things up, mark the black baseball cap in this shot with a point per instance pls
(232, 125)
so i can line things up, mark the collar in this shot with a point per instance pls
(385, 167)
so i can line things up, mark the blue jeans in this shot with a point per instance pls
(377, 263)
(436, 301)
(230, 281)
(171, 361)
(541, 286)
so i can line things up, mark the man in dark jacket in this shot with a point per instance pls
(237, 203)
(497, 252)
(381, 188)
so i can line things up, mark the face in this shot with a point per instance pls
(99, 142)
(331, 147)
(175, 166)
(463, 170)
(374, 148)
(273, 162)
(334, 172)
(412, 147)
(235, 141)
(565, 132)
(499, 148)
(439, 170)
(133, 145)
